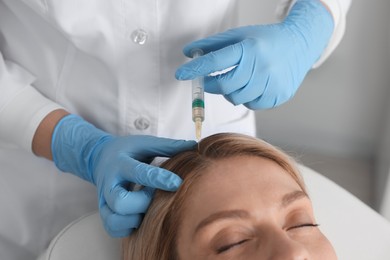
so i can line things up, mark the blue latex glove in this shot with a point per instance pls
(112, 164)
(271, 60)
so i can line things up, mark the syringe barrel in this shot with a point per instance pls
(197, 88)
(197, 112)
(197, 92)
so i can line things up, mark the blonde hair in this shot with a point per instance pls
(156, 237)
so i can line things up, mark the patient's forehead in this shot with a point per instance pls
(239, 175)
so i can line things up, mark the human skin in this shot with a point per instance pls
(272, 219)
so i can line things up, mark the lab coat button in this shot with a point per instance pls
(139, 36)
(141, 123)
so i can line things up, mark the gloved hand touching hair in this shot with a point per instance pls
(113, 163)
(271, 60)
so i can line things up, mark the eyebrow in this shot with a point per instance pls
(291, 197)
(286, 200)
(220, 215)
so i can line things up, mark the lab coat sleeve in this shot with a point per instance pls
(338, 8)
(22, 107)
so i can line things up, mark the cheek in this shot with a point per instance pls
(191, 253)
(327, 250)
(318, 246)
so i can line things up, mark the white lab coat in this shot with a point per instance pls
(111, 62)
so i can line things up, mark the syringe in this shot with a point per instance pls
(197, 99)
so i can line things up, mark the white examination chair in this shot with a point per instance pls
(355, 230)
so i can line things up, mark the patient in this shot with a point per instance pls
(241, 198)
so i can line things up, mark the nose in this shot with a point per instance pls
(285, 248)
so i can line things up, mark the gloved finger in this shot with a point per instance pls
(212, 62)
(164, 147)
(121, 233)
(150, 176)
(226, 83)
(274, 94)
(263, 102)
(119, 225)
(213, 42)
(235, 79)
(253, 90)
(124, 202)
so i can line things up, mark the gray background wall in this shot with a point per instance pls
(341, 110)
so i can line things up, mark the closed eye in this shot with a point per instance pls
(303, 225)
(225, 248)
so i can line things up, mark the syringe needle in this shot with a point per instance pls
(198, 128)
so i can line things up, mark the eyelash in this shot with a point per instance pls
(303, 225)
(227, 247)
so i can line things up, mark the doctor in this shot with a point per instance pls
(92, 87)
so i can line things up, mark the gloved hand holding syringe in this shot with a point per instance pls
(197, 99)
